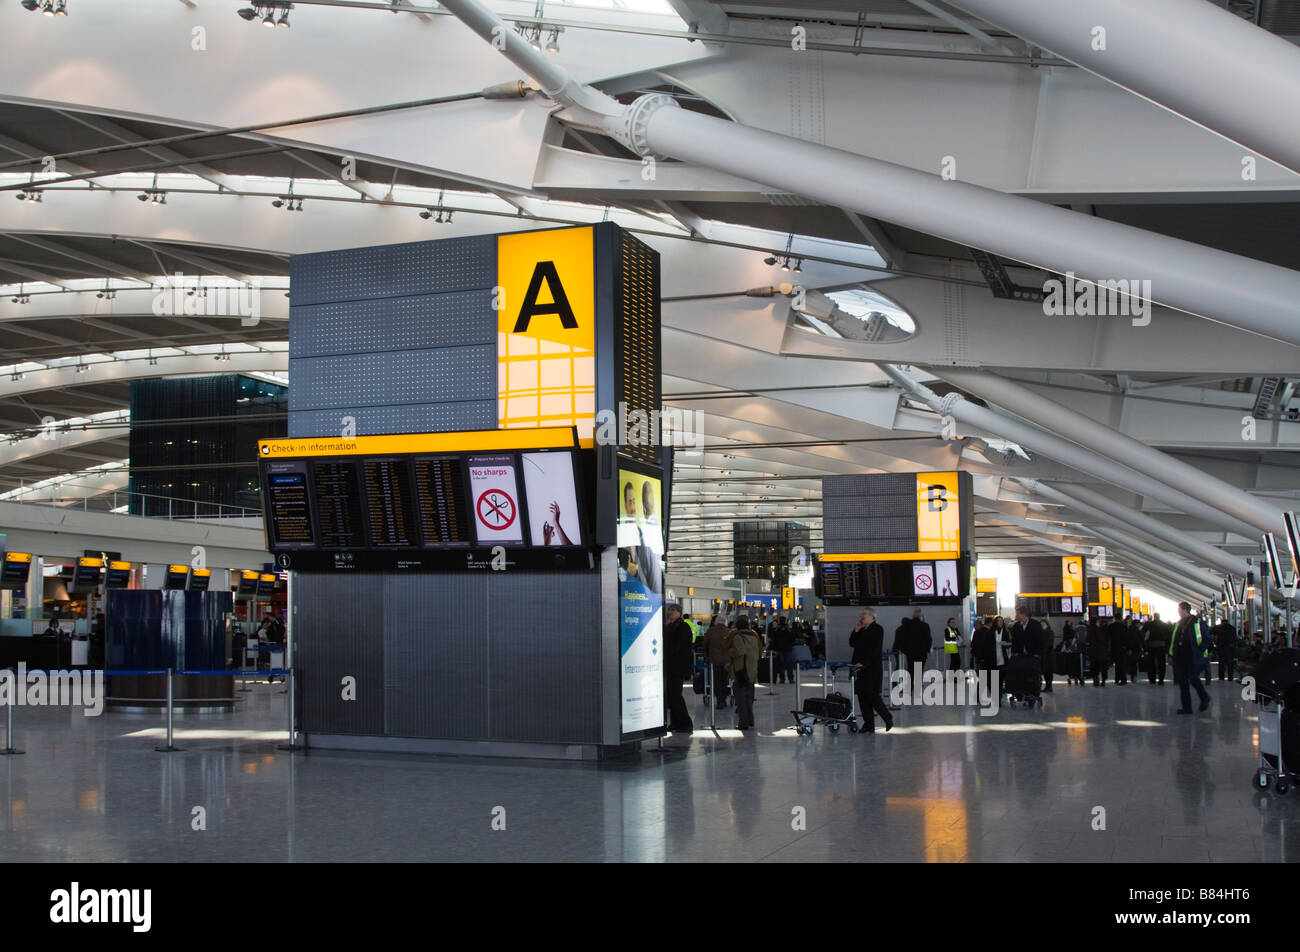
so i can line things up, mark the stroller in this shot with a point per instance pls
(1277, 695)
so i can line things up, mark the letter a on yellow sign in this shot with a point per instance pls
(546, 331)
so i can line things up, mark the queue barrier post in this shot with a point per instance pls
(710, 686)
(9, 747)
(771, 683)
(170, 748)
(291, 689)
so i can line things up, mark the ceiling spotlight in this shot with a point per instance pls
(448, 219)
(427, 214)
(30, 4)
(143, 196)
(81, 368)
(47, 8)
(283, 22)
(278, 203)
(268, 20)
(21, 196)
(62, 9)
(553, 44)
(785, 264)
(153, 361)
(798, 265)
(248, 13)
(35, 196)
(770, 259)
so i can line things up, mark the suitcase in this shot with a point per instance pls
(1289, 729)
(1024, 679)
(698, 682)
(834, 706)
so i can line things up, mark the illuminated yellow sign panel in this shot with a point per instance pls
(986, 586)
(463, 441)
(1119, 595)
(1105, 593)
(1072, 575)
(546, 330)
(787, 598)
(938, 515)
(179, 569)
(1127, 601)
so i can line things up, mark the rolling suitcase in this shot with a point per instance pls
(1024, 674)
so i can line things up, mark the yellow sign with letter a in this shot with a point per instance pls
(546, 330)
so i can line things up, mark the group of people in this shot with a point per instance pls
(733, 653)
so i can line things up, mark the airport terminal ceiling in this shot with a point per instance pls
(769, 338)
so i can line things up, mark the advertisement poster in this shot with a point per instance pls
(494, 498)
(640, 600)
(945, 579)
(552, 499)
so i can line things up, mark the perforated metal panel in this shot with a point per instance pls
(869, 513)
(387, 324)
(384, 271)
(419, 376)
(374, 421)
(636, 324)
(338, 632)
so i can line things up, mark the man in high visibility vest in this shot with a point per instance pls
(1186, 648)
(952, 644)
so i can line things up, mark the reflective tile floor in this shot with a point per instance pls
(946, 785)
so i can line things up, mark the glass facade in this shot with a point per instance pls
(762, 550)
(195, 439)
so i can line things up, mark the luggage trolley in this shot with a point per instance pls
(1276, 677)
(833, 710)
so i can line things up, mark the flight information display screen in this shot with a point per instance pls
(861, 582)
(413, 506)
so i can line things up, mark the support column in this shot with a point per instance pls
(1099, 438)
(1192, 57)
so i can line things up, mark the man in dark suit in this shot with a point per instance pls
(1118, 636)
(679, 657)
(868, 641)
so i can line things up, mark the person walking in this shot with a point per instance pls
(1118, 649)
(984, 650)
(781, 640)
(716, 641)
(922, 639)
(1157, 642)
(1048, 655)
(1098, 652)
(1185, 649)
(744, 651)
(679, 658)
(1225, 647)
(868, 641)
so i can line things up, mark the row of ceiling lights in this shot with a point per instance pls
(266, 13)
(49, 8)
(785, 262)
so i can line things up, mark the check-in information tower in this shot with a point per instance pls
(477, 565)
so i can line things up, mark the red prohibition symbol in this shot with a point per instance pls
(496, 509)
(923, 582)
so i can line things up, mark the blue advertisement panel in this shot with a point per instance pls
(640, 601)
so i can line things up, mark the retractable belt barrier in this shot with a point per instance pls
(171, 674)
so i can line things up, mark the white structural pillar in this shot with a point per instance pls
(1099, 438)
(1083, 498)
(1063, 451)
(1231, 289)
(1190, 56)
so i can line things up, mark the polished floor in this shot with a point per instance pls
(946, 785)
